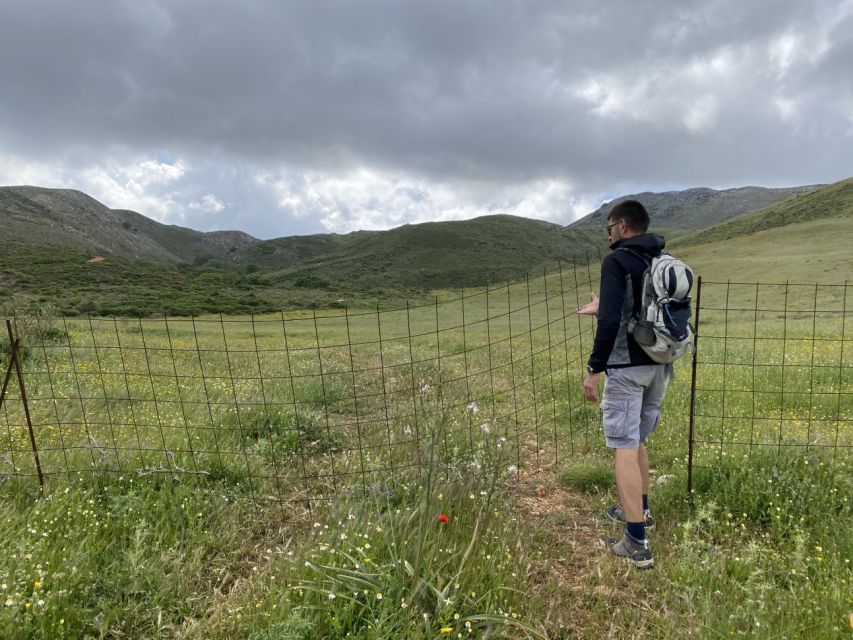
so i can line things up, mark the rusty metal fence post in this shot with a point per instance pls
(693, 389)
(14, 345)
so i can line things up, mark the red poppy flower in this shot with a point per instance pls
(443, 519)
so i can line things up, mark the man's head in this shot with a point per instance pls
(626, 220)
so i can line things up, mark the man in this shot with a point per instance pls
(635, 384)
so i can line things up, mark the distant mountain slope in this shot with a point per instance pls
(831, 201)
(696, 208)
(64, 246)
(466, 253)
(68, 219)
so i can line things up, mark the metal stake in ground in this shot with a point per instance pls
(14, 342)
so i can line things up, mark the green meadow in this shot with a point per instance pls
(432, 471)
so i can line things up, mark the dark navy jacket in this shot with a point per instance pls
(620, 297)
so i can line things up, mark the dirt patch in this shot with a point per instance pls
(95, 259)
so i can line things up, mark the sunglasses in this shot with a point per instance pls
(610, 226)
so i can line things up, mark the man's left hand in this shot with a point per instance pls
(590, 387)
(590, 308)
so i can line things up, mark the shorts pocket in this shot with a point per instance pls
(615, 417)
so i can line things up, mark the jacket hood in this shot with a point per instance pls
(647, 243)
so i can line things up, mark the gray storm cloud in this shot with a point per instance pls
(311, 116)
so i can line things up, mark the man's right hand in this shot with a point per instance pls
(590, 387)
(590, 308)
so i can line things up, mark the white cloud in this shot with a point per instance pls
(209, 203)
(15, 170)
(701, 115)
(136, 185)
(787, 107)
(373, 199)
(783, 52)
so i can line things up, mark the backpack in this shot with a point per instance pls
(662, 327)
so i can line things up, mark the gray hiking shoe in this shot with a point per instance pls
(636, 551)
(614, 512)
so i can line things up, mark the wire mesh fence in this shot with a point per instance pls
(297, 406)
(773, 371)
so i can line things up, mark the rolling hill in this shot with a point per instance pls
(65, 248)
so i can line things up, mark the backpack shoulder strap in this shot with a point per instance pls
(642, 256)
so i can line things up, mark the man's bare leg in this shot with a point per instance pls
(629, 482)
(643, 457)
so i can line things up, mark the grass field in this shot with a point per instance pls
(283, 476)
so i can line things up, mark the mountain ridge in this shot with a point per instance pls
(144, 267)
(698, 207)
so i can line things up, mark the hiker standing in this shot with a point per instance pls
(635, 383)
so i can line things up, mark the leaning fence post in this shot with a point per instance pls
(693, 389)
(13, 359)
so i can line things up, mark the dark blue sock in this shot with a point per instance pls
(637, 530)
(645, 502)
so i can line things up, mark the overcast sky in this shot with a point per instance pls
(284, 117)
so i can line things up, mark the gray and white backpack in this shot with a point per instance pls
(663, 326)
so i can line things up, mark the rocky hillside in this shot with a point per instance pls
(697, 208)
(68, 219)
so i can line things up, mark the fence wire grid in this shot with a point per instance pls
(772, 372)
(298, 406)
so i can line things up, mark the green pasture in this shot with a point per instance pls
(280, 476)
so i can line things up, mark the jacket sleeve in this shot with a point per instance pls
(611, 300)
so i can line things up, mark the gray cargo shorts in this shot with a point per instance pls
(631, 403)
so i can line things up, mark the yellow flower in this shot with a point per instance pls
(446, 630)
(37, 584)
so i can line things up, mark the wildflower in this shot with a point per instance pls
(38, 585)
(511, 469)
(818, 548)
(485, 428)
(473, 408)
(446, 630)
(379, 596)
(332, 596)
(443, 519)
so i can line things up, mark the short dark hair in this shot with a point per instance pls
(633, 213)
